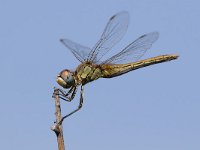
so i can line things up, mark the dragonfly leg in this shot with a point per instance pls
(62, 92)
(66, 96)
(79, 106)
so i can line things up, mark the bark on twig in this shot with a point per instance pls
(57, 127)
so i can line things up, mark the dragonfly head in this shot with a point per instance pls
(65, 79)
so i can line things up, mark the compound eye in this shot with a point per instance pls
(70, 79)
(67, 77)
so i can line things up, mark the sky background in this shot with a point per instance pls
(154, 108)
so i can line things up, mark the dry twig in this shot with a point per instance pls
(57, 127)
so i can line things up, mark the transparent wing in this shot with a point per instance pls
(79, 51)
(135, 50)
(113, 33)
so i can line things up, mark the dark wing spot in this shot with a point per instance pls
(112, 17)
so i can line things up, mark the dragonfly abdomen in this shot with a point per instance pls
(114, 70)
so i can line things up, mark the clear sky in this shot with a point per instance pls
(154, 108)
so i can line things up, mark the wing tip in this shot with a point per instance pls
(176, 56)
(155, 33)
(123, 12)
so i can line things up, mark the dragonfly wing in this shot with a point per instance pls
(113, 33)
(135, 50)
(79, 51)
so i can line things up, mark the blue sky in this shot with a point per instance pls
(154, 108)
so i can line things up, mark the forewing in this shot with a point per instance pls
(79, 51)
(135, 50)
(113, 33)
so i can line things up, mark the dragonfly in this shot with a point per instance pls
(92, 67)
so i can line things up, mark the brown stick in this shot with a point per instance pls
(57, 127)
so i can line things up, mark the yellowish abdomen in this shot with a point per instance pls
(113, 70)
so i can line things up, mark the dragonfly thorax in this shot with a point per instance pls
(65, 79)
